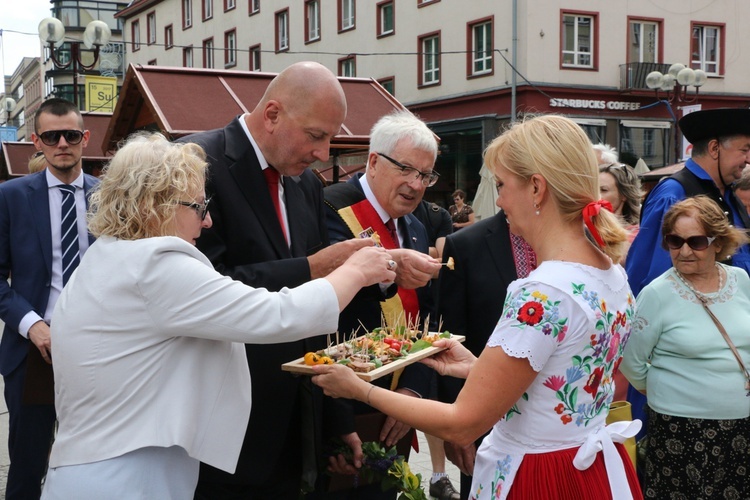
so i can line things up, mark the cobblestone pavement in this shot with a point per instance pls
(421, 463)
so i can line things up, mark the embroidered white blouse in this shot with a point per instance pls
(571, 322)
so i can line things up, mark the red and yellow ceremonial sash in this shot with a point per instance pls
(402, 308)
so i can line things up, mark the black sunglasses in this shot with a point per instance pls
(52, 137)
(675, 242)
(200, 209)
(427, 178)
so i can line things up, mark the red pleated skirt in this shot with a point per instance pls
(546, 476)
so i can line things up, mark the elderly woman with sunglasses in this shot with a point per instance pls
(698, 439)
(150, 371)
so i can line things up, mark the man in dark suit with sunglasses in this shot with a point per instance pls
(39, 249)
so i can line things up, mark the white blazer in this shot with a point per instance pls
(144, 355)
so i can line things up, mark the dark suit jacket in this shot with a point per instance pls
(246, 243)
(26, 257)
(471, 296)
(365, 308)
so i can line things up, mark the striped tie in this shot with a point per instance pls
(68, 232)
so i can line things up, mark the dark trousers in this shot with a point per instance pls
(283, 483)
(29, 439)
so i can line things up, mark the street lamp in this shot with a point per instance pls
(52, 31)
(8, 106)
(675, 84)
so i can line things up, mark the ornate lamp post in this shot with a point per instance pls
(8, 106)
(52, 31)
(675, 85)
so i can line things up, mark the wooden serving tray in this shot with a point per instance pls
(298, 365)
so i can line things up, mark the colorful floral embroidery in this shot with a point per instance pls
(514, 409)
(501, 470)
(536, 310)
(597, 367)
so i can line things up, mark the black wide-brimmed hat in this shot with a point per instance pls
(715, 123)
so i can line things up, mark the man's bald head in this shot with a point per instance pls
(303, 84)
(301, 111)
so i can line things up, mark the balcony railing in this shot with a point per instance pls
(633, 75)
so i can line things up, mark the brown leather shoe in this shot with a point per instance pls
(443, 489)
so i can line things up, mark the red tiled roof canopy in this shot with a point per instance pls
(181, 101)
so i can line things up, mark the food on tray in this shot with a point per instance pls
(375, 349)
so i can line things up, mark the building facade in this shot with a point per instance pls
(468, 68)
(75, 16)
(25, 87)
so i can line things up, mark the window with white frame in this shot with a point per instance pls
(643, 41)
(229, 4)
(481, 48)
(135, 32)
(208, 53)
(386, 20)
(253, 6)
(230, 48)
(430, 60)
(312, 17)
(187, 13)
(346, 14)
(255, 58)
(348, 67)
(282, 30)
(208, 9)
(706, 49)
(578, 41)
(187, 57)
(151, 28)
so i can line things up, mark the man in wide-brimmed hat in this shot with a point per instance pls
(721, 148)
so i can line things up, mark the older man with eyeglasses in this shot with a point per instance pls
(379, 203)
(43, 234)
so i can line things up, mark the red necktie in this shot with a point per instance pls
(272, 179)
(391, 225)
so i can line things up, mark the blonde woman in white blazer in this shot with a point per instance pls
(150, 374)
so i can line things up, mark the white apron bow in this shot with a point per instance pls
(603, 440)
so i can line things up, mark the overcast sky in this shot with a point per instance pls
(19, 20)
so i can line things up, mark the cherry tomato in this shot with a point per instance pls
(312, 358)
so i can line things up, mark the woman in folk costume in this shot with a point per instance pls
(544, 381)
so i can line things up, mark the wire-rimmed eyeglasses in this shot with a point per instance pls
(427, 178)
(200, 208)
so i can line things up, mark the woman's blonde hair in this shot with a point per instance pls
(142, 185)
(712, 219)
(37, 163)
(557, 149)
